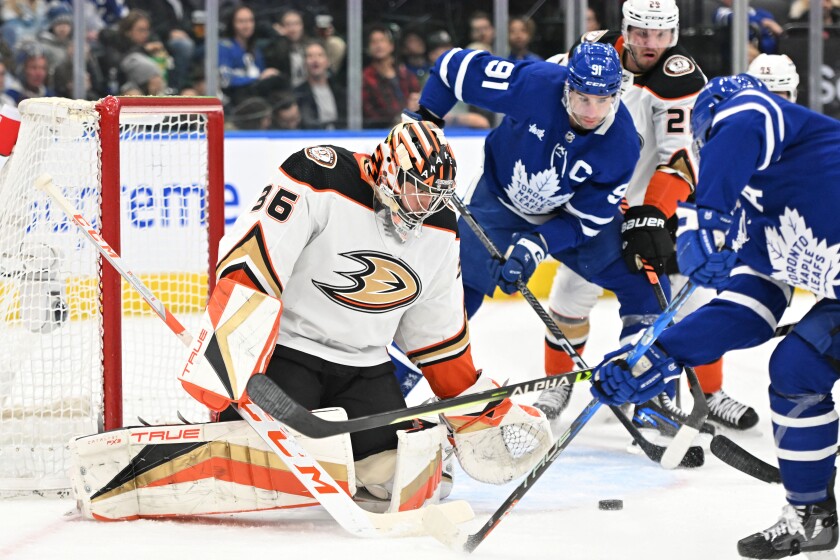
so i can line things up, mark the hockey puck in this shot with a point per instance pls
(611, 505)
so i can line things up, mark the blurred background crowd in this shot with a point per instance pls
(283, 64)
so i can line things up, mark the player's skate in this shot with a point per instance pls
(554, 401)
(805, 529)
(661, 414)
(729, 413)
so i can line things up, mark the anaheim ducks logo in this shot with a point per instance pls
(384, 284)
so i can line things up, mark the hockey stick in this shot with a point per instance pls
(700, 411)
(306, 469)
(446, 531)
(276, 402)
(739, 458)
(654, 452)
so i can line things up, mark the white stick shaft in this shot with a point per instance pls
(46, 184)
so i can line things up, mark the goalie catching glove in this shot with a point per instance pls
(500, 442)
(615, 383)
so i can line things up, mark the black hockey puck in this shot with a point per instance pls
(611, 505)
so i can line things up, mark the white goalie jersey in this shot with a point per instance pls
(313, 239)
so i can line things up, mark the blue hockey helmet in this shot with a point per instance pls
(716, 91)
(594, 68)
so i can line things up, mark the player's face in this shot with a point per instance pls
(647, 46)
(415, 199)
(784, 94)
(588, 111)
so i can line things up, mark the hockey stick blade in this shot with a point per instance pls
(739, 458)
(271, 398)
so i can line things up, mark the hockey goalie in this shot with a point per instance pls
(361, 250)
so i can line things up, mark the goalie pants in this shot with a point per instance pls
(803, 370)
(317, 383)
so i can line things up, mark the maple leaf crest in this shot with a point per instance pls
(537, 193)
(801, 259)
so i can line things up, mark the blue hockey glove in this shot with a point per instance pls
(700, 252)
(614, 383)
(521, 261)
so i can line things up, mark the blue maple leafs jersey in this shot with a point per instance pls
(537, 165)
(777, 162)
(774, 164)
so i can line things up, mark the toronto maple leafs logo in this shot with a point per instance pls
(801, 259)
(535, 193)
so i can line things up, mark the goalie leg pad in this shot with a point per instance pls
(411, 475)
(165, 471)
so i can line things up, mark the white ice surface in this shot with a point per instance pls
(682, 514)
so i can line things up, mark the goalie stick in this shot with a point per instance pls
(700, 411)
(276, 402)
(303, 466)
(449, 534)
(739, 458)
(681, 446)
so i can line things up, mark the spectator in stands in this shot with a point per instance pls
(285, 52)
(143, 72)
(241, 63)
(133, 34)
(461, 115)
(253, 113)
(387, 87)
(593, 21)
(56, 37)
(831, 11)
(171, 24)
(32, 72)
(521, 32)
(5, 99)
(335, 45)
(413, 53)
(322, 103)
(764, 28)
(22, 19)
(286, 113)
(482, 32)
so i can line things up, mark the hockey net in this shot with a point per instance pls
(79, 350)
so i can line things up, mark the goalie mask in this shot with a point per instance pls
(705, 106)
(414, 170)
(778, 72)
(593, 86)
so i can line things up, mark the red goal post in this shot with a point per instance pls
(79, 351)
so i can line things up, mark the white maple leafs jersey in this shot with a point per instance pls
(349, 289)
(660, 102)
(569, 184)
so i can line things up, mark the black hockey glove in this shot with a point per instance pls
(644, 236)
(423, 115)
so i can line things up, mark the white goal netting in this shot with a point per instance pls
(53, 307)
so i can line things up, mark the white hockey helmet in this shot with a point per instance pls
(651, 14)
(778, 72)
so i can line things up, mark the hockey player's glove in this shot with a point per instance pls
(422, 114)
(521, 261)
(645, 237)
(615, 383)
(701, 254)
